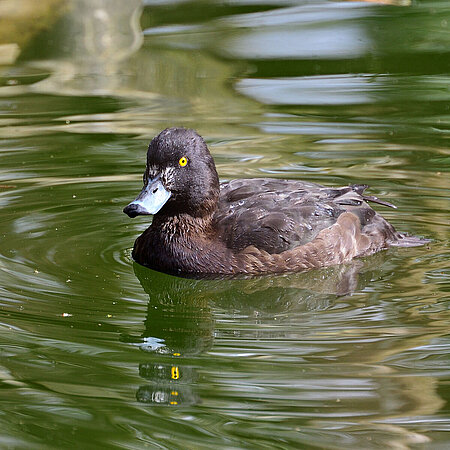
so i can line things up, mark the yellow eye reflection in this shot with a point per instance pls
(183, 161)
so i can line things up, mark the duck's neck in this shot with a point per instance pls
(182, 226)
(181, 244)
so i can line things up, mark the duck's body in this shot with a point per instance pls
(250, 226)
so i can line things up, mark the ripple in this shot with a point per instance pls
(339, 89)
(118, 253)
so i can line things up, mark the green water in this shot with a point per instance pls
(98, 352)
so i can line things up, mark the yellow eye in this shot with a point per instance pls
(183, 161)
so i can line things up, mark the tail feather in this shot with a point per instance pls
(373, 199)
(405, 240)
(360, 188)
(374, 224)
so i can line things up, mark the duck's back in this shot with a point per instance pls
(278, 215)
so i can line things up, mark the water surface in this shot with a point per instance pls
(98, 352)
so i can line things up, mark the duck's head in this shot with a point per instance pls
(180, 177)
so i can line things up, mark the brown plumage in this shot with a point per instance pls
(250, 226)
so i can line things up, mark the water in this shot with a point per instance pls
(98, 352)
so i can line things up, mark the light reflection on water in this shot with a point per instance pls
(97, 351)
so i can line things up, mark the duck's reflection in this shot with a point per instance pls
(180, 324)
(169, 384)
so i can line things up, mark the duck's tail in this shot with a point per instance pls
(405, 240)
(360, 188)
(401, 239)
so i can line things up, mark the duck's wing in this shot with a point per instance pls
(278, 215)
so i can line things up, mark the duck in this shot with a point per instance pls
(253, 226)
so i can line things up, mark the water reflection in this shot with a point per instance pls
(312, 341)
(180, 321)
(88, 47)
(321, 30)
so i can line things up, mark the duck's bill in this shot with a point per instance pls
(151, 199)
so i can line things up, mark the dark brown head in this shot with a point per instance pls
(180, 177)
